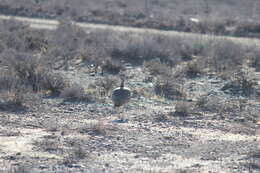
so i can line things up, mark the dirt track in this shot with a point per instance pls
(38, 23)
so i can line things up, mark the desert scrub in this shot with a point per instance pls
(75, 92)
(66, 43)
(94, 128)
(17, 35)
(49, 144)
(104, 86)
(242, 82)
(253, 56)
(226, 55)
(192, 68)
(217, 104)
(160, 117)
(169, 88)
(155, 67)
(74, 155)
(183, 108)
(15, 95)
(53, 82)
(110, 66)
(25, 67)
(137, 48)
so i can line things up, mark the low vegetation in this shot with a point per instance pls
(182, 86)
(237, 18)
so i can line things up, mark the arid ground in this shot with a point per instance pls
(195, 100)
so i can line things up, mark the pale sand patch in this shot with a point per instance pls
(166, 163)
(208, 134)
(24, 143)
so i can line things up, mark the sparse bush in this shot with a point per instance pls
(254, 57)
(157, 68)
(161, 117)
(66, 43)
(17, 35)
(217, 104)
(138, 49)
(21, 168)
(79, 152)
(27, 69)
(247, 29)
(74, 155)
(74, 93)
(53, 82)
(226, 55)
(111, 67)
(93, 55)
(15, 96)
(170, 89)
(182, 108)
(106, 85)
(94, 128)
(48, 144)
(194, 69)
(241, 82)
(190, 69)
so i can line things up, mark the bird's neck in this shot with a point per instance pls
(122, 84)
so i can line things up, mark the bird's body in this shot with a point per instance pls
(121, 95)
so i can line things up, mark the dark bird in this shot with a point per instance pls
(121, 95)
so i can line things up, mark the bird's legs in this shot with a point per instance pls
(120, 114)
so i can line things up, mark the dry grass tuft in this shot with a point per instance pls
(155, 67)
(94, 128)
(242, 82)
(74, 92)
(182, 108)
(169, 88)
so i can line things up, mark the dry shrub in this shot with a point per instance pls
(191, 69)
(226, 55)
(217, 104)
(160, 117)
(15, 96)
(48, 144)
(91, 55)
(19, 36)
(111, 67)
(94, 128)
(21, 168)
(75, 154)
(253, 56)
(106, 85)
(190, 48)
(182, 108)
(66, 40)
(155, 67)
(53, 82)
(138, 48)
(169, 88)
(249, 29)
(29, 70)
(74, 92)
(242, 82)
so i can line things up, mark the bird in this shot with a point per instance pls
(121, 95)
